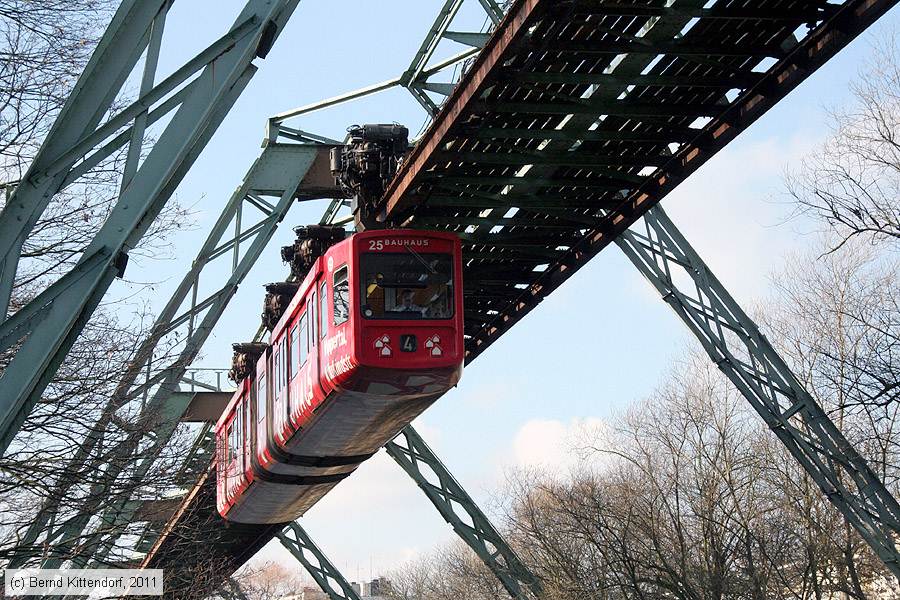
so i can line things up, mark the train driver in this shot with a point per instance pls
(407, 303)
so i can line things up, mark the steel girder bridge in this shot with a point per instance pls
(573, 119)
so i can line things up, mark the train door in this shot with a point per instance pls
(336, 346)
(312, 373)
(249, 437)
(222, 464)
(324, 318)
(298, 338)
(238, 461)
(262, 404)
(278, 388)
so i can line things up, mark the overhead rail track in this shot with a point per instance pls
(580, 106)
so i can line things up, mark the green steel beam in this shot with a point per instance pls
(611, 180)
(196, 462)
(114, 59)
(666, 135)
(462, 513)
(70, 533)
(533, 202)
(426, 50)
(468, 38)
(494, 11)
(212, 94)
(551, 158)
(655, 30)
(297, 541)
(532, 224)
(734, 343)
(415, 77)
(671, 47)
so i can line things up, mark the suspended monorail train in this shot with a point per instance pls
(371, 336)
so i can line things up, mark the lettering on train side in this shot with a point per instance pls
(338, 367)
(308, 396)
(338, 340)
(390, 243)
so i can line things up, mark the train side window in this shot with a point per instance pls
(239, 432)
(228, 444)
(276, 369)
(323, 312)
(304, 339)
(261, 398)
(295, 349)
(341, 296)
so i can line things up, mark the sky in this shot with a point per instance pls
(593, 348)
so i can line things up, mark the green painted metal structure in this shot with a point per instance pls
(47, 326)
(735, 344)
(246, 224)
(462, 513)
(329, 579)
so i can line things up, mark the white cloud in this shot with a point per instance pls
(550, 444)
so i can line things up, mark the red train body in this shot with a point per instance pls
(372, 337)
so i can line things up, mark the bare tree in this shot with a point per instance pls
(270, 581)
(451, 572)
(852, 182)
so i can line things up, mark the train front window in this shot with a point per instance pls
(407, 285)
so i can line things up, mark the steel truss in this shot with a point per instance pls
(281, 173)
(735, 344)
(47, 326)
(297, 541)
(462, 513)
(244, 227)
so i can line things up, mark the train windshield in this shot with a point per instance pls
(407, 285)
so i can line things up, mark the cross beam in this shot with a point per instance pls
(416, 77)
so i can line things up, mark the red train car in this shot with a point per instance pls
(372, 337)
